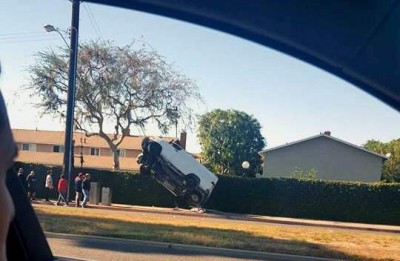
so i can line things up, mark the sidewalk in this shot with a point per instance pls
(209, 213)
(65, 245)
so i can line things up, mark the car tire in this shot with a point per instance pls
(154, 149)
(140, 159)
(194, 198)
(145, 141)
(191, 181)
(143, 171)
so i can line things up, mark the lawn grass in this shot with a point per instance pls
(351, 245)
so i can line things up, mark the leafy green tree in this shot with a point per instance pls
(391, 168)
(123, 87)
(228, 138)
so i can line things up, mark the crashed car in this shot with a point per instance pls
(176, 170)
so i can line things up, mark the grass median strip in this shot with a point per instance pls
(351, 245)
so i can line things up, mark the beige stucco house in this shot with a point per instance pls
(47, 147)
(332, 158)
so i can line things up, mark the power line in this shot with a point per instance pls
(21, 33)
(25, 37)
(13, 41)
(95, 21)
(21, 36)
(92, 20)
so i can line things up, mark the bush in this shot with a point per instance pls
(339, 201)
(126, 187)
(377, 203)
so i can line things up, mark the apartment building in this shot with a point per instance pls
(47, 147)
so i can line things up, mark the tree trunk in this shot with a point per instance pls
(113, 148)
(114, 151)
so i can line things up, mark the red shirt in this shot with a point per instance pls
(62, 186)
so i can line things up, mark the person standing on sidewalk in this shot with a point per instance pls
(62, 190)
(22, 178)
(86, 190)
(78, 189)
(48, 185)
(31, 183)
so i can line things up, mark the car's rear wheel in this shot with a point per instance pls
(155, 149)
(145, 141)
(143, 171)
(191, 181)
(194, 198)
(140, 159)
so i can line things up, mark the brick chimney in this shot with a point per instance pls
(182, 139)
(327, 133)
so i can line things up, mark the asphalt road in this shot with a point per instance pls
(105, 249)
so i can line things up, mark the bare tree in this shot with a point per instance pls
(125, 86)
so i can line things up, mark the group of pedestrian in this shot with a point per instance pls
(29, 183)
(82, 187)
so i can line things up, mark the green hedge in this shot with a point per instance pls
(126, 187)
(339, 201)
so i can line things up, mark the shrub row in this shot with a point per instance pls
(377, 203)
(126, 187)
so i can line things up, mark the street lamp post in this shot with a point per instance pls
(50, 28)
(73, 46)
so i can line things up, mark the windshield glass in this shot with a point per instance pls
(142, 75)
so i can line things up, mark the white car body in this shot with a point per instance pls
(177, 170)
(187, 164)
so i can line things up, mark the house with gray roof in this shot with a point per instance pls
(330, 157)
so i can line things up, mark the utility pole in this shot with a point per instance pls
(67, 168)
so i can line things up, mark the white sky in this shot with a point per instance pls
(291, 99)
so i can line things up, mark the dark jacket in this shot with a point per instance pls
(22, 179)
(30, 180)
(86, 184)
(78, 184)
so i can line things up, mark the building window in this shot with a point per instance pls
(29, 146)
(95, 151)
(121, 152)
(25, 146)
(58, 148)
